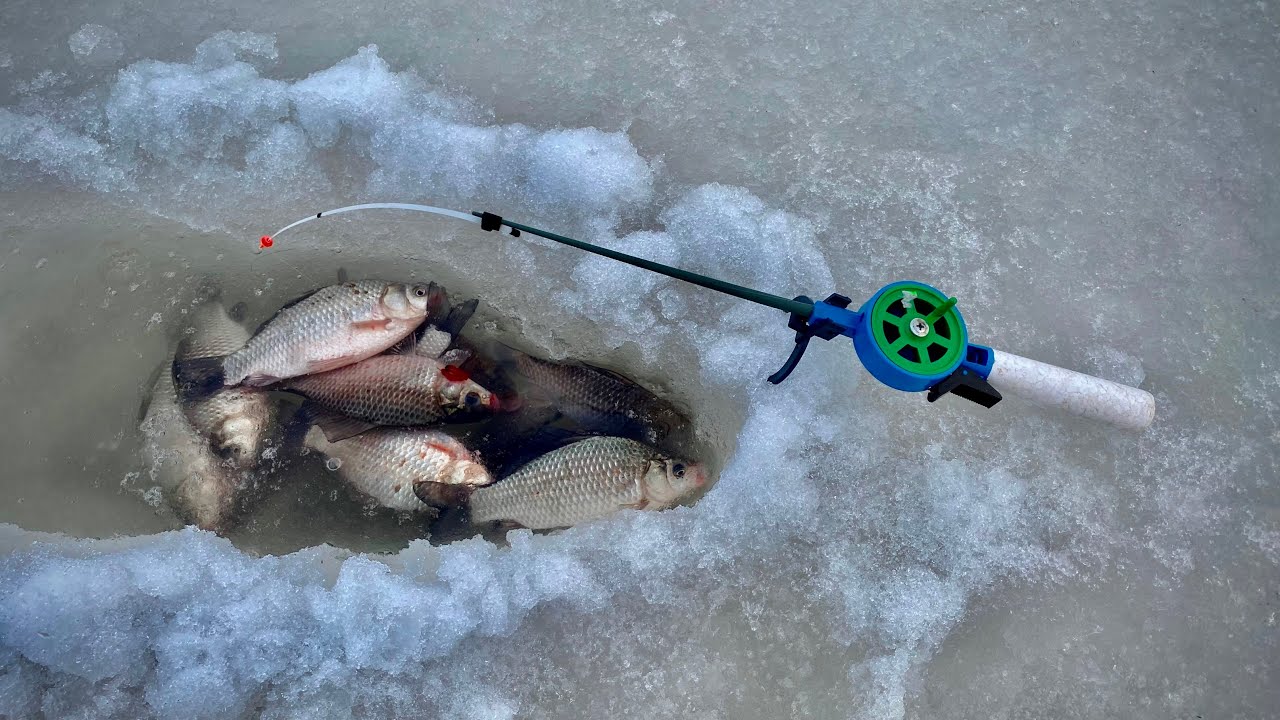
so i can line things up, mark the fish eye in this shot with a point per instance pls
(472, 399)
(420, 291)
(677, 470)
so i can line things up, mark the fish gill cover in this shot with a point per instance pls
(862, 554)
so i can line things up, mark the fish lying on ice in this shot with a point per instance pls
(201, 487)
(332, 327)
(603, 401)
(235, 420)
(586, 480)
(403, 468)
(394, 390)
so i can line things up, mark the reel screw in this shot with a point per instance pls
(919, 327)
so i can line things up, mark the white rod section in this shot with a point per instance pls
(1077, 393)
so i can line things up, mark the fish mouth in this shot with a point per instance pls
(699, 474)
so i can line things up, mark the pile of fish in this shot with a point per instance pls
(406, 412)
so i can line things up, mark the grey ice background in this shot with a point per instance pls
(1096, 183)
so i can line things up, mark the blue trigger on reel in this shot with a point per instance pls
(826, 320)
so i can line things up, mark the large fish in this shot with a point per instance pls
(586, 480)
(399, 468)
(201, 487)
(332, 327)
(393, 390)
(603, 401)
(235, 420)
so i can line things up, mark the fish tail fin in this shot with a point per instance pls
(335, 426)
(197, 378)
(209, 289)
(238, 311)
(293, 434)
(458, 315)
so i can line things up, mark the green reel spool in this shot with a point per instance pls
(918, 329)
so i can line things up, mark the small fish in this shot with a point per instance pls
(332, 327)
(396, 466)
(234, 420)
(603, 401)
(586, 480)
(201, 487)
(394, 390)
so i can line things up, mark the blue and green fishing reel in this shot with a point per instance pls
(909, 336)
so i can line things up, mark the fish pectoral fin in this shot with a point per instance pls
(441, 494)
(320, 366)
(382, 324)
(334, 425)
(259, 380)
(641, 505)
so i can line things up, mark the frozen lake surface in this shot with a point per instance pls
(1096, 182)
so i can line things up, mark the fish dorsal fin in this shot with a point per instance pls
(545, 440)
(284, 307)
(611, 375)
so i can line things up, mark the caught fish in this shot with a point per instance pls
(586, 480)
(332, 327)
(201, 487)
(234, 420)
(398, 467)
(603, 401)
(393, 390)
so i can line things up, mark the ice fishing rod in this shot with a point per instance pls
(908, 335)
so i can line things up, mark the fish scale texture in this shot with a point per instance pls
(387, 390)
(586, 480)
(384, 464)
(318, 330)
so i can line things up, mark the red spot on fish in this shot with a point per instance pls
(422, 455)
(453, 373)
(266, 242)
(441, 448)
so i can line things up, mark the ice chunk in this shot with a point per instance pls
(58, 151)
(96, 45)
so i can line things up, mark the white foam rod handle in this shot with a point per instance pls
(1077, 393)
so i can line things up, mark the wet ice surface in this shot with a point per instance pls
(1094, 183)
